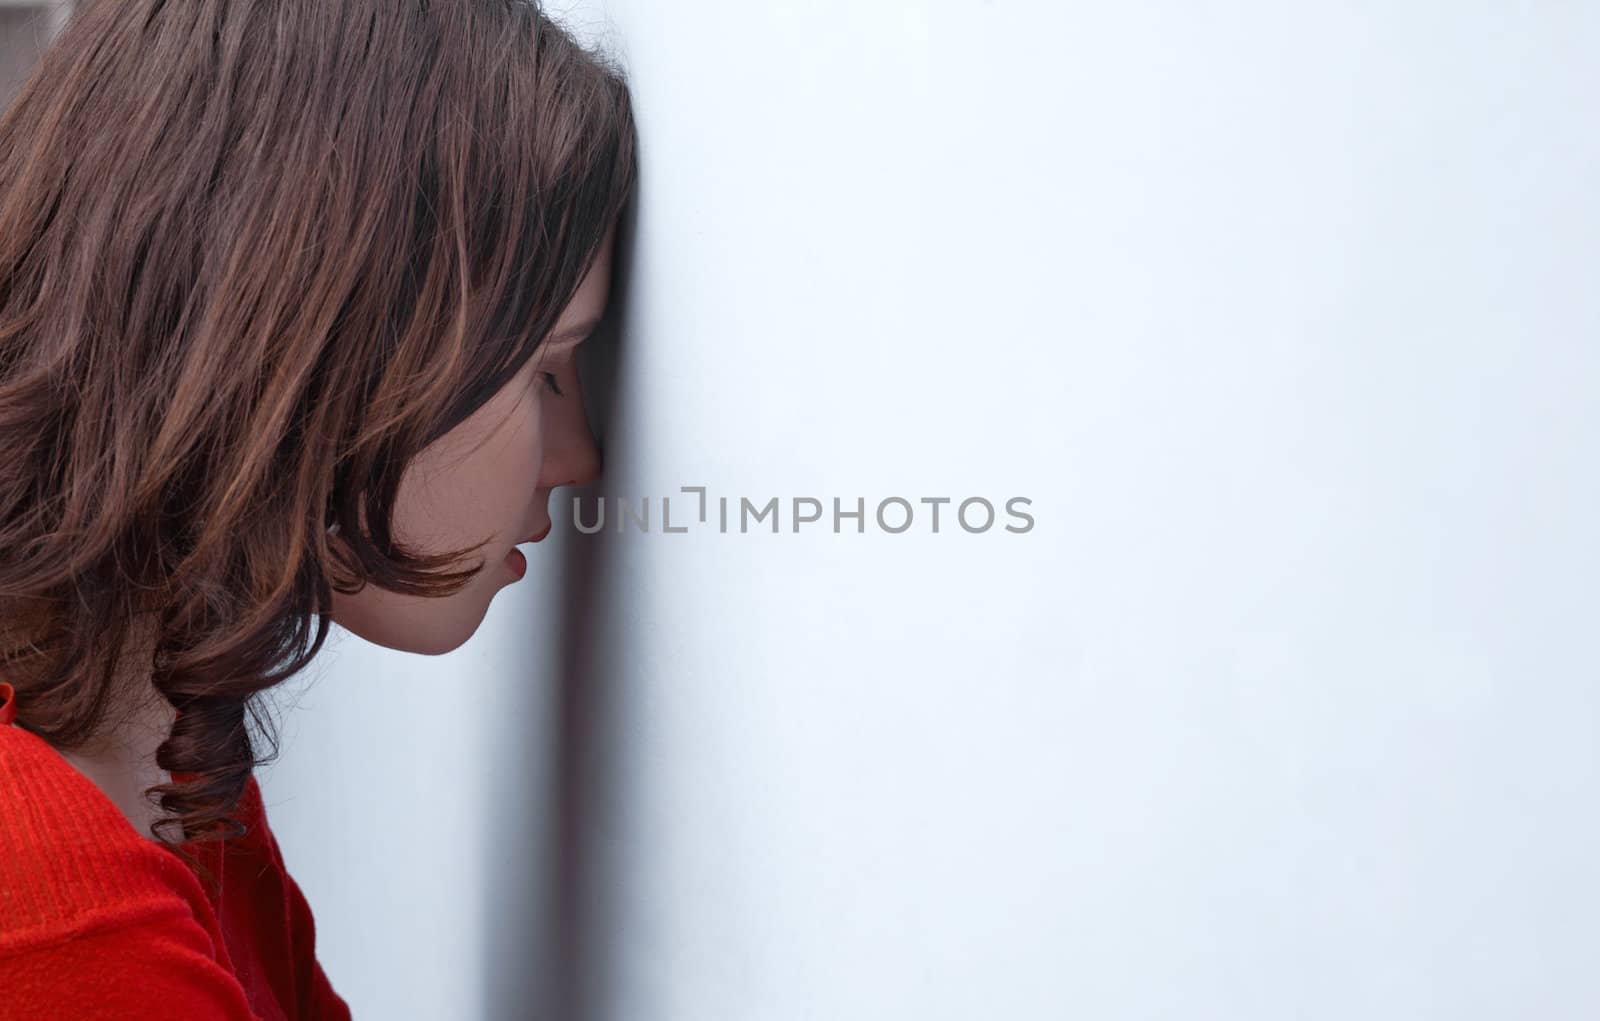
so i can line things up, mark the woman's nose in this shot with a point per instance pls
(581, 466)
(571, 457)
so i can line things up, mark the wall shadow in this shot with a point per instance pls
(548, 950)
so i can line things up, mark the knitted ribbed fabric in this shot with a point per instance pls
(100, 921)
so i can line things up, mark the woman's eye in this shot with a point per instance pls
(550, 381)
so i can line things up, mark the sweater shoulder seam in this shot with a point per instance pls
(127, 916)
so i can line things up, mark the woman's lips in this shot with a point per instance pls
(517, 562)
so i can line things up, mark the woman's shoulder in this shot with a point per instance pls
(73, 862)
(100, 920)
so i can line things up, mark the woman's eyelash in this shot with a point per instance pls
(550, 381)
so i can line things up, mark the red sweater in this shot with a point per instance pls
(99, 921)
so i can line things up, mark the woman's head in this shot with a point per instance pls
(491, 476)
(279, 286)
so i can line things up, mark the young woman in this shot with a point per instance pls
(289, 297)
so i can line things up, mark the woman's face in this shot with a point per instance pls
(490, 475)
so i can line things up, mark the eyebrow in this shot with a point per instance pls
(572, 334)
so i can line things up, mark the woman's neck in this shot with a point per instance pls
(122, 763)
(121, 758)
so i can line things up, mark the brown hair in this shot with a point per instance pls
(253, 258)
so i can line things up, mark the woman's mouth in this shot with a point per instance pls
(517, 562)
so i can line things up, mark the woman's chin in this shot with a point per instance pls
(426, 630)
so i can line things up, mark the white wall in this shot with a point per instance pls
(1283, 316)
(26, 28)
